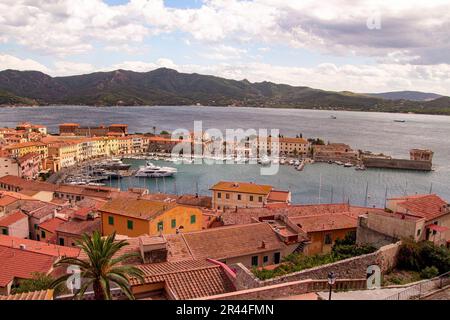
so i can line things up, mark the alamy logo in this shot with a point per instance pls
(73, 282)
(373, 277)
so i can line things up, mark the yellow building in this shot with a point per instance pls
(138, 217)
(64, 154)
(111, 146)
(285, 146)
(228, 195)
(22, 149)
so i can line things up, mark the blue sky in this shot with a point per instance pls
(361, 46)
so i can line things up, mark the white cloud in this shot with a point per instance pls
(11, 62)
(68, 68)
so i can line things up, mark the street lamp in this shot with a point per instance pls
(331, 282)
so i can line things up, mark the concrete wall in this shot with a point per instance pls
(279, 291)
(353, 268)
(397, 164)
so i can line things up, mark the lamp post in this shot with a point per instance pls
(331, 282)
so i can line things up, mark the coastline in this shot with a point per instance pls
(233, 107)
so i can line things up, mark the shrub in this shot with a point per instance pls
(429, 272)
(417, 256)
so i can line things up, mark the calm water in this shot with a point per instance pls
(368, 131)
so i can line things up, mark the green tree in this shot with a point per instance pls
(101, 268)
(164, 132)
(39, 281)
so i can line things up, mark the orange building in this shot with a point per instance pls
(136, 217)
(323, 230)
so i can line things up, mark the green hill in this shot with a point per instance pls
(169, 87)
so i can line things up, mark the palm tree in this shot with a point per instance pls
(101, 268)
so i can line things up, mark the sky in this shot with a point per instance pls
(351, 45)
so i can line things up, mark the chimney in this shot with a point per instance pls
(22, 247)
(263, 244)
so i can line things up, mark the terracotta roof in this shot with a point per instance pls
(437, 228)
(52, 224)
(80, 227)
(34, 295)
(278, 196)
(38, 247)
(12, 218)
(139, 208)
(293, 140)
(7, 200)
(27, 184)
(247, 215)
(426, 206)
(244, 187)
(188, 279)
(232, 241)
(324, 222)
(16, 263)
(38, 209)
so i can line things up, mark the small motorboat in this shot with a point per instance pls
(348, 164)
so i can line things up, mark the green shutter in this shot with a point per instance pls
(43, 234)
(111, 220)
(160, 226)
(193, 217)
(174, 223)
(130, 224)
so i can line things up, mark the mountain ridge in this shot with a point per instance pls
(165, 86)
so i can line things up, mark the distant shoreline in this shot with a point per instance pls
(233, 107)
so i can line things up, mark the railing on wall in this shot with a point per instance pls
(418, 290)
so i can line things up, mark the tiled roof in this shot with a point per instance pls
(38, 247)
(12, 218)
(38, 209)
(426, 206)
(16, 263)
(324, 222)
(244, 187)
(247, 215)
(34, 295)
(232, 241)
(188, 279)
(278, 196)
(80, 227)
(7, 200)
(27, 184)
(139, 208)
(51, 225)
(293, 140)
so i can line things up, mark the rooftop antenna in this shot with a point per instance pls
(320, 188)
(385, 197)
(367, 195)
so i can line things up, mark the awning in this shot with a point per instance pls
(437, 228)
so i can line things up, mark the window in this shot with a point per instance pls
(35, 226)
(265, 259)
(260, 199)
(239, 197)
(251, 198)
(328, 239)
(276, 257)
(111, 220)
(227, 195)
(130, 224)
(43, 234)
(174, 223)
(193, 218)
(219, 195)
(255, 261)
(160, 226)
(61, 241)
(418, 232)
(5, 232)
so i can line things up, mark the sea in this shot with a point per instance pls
(317, 183)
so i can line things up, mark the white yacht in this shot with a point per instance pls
(264, 160)
(152, 171)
